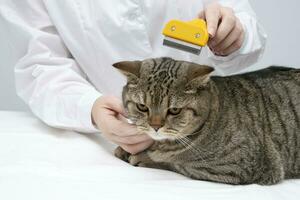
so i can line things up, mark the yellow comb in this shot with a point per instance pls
(187, 36)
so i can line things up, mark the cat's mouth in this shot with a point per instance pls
(159, 137)
(160, 134)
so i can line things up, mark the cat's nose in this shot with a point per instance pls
(156, 127)
(156, 122)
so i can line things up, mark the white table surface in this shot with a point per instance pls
(38, 162)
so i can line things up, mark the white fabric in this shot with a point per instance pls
(65, 49)
(38, 162)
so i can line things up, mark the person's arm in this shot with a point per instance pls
(237, 39)
(47, 78)
(50, 81)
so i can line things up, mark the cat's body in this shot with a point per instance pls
(249, 127)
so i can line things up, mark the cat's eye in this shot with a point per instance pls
(174, 111)
(142, 107)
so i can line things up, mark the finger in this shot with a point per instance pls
(234, 47)
(136, 148)
(227, 25)
(212, 16)
(110, 123)
(234, 35)
(201, 15)
(130, 139)
(121, 128)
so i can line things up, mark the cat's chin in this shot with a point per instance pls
(158, 136)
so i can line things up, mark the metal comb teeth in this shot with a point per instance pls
(181, 45)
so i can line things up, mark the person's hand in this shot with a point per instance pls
(108, 115)
(225, 29)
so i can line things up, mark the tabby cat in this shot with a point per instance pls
(239, 129)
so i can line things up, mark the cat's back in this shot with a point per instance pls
(273, 73)
(277, 73)
(268, 101)
(272, 81)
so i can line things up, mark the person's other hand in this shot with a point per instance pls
(225, 29)
(108, 115)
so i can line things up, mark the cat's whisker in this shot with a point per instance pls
(200, 150)
(187, 144)
(171, 132)
(192, 143)
(193, 149)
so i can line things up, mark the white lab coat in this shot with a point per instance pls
(65, 49)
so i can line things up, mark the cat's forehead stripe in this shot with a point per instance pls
(157, 67)
(162, 77)
(166, 65)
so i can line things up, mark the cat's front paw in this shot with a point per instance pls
(122, 154)
(140, 159)
(137, 160)
(270, 180)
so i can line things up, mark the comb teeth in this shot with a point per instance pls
(181, 45)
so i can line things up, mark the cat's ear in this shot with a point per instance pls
(198, 76)
(131, 69)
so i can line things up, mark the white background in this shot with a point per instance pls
(280, 19)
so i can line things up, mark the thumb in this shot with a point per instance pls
(201, 15)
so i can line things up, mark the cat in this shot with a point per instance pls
(239, 129)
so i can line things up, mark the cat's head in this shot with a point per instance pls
(165, 98)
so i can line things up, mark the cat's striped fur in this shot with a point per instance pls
(238, 129)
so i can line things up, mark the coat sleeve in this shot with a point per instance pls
(254, 43)
(47, 78)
